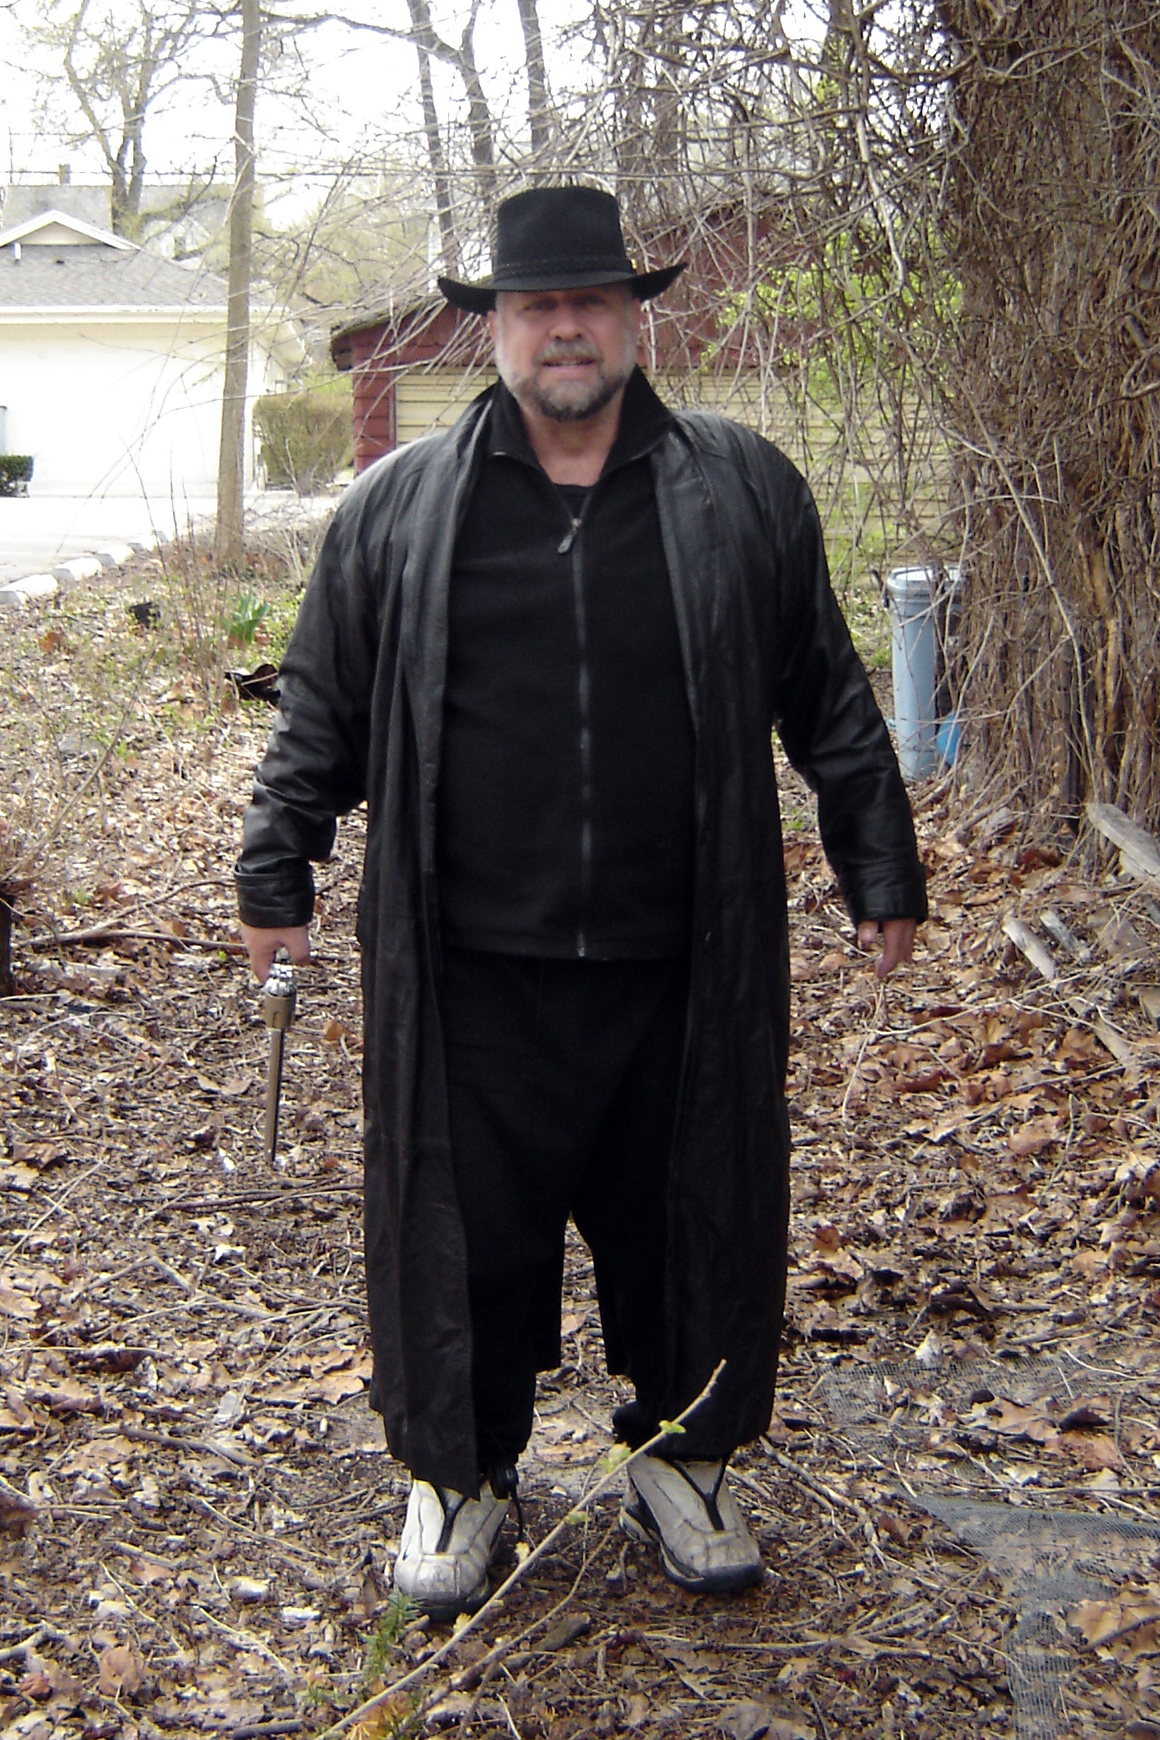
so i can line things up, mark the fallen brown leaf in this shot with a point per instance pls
(120, 1672)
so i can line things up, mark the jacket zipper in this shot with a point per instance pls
(570, 546)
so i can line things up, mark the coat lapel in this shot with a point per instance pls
(426, 579)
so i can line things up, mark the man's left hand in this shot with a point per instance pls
(897, 935)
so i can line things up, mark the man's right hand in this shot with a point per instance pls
(263, 945)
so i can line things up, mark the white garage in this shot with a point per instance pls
(112, 360)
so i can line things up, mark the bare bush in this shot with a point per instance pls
(925, 257)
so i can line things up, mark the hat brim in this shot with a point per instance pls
(480, 298)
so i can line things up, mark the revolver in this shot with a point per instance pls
(279, 995)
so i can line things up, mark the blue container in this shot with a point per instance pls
(947, 738)
(914, 663)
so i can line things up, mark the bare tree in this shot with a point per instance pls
(1052, 219)
(930, 242)
(444, 206)
(119, 63)
(228, 540)
(479, 183)
(539, 96)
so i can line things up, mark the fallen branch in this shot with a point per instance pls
(264, 1730)
(483, 1672)
(1043, 961)
(255, 1198)
(872, 1027)
(1125, 1630)
(509, 1583)
(27, 1647)
(103, 933)
(1029, 945)
(823, 1730)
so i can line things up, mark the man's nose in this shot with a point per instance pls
(566, 322)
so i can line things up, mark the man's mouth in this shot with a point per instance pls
(568, 362)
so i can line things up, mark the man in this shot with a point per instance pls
(548, 647)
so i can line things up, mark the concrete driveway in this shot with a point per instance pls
(40, 533)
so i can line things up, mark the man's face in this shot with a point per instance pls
(565, 354)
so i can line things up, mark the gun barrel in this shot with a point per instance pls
(274, 1090)
(279, 995)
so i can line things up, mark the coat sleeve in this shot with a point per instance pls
(831, 727)
(314, 768)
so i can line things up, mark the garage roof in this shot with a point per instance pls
(56, 263)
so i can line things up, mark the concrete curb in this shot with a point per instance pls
(50, 574)
(116, 555)
(79, 568)
(20, 592)
(64, 575)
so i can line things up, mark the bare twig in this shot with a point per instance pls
(106, 933)
(516, 1576)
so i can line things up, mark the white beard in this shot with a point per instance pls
(566, 401)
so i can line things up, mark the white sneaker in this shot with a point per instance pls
(689, 1511)
(446, 1548)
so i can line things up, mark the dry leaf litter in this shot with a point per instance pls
(957, 1498)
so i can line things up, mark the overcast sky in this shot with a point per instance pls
(361, 89)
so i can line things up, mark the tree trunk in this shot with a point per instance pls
(479, 119)
(1055, 233)
(449, 247)
(539, 102)
(228, 542)
(423, 35)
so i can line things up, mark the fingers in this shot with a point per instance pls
(897, 944)
(262, 945)
(297, 945)
(897, 937)
(262, 954)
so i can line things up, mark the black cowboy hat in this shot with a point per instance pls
(557, 238)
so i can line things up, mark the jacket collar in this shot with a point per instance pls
(643, 421)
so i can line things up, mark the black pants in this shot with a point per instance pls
(563, 1078)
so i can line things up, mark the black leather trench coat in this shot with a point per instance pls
(764, 645)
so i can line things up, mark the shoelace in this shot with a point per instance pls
(504, 1482)
(708, 1499)
(450, 1512)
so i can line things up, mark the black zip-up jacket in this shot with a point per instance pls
(763, 644)
(565, 822)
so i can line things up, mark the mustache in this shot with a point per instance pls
(558, 352)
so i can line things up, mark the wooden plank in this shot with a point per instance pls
(1083, 1009)
(1029, 944)
(1121, 1049)
(1139, 851)
(1119, 939)
(433, 398)
(1055, 927)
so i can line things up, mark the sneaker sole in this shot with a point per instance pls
(639, 1526)
(443, 1612)
(452, 1607)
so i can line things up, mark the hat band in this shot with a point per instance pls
(565, 263)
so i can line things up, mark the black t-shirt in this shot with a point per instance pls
(565, 821)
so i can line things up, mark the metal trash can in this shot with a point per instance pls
(919, 605)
